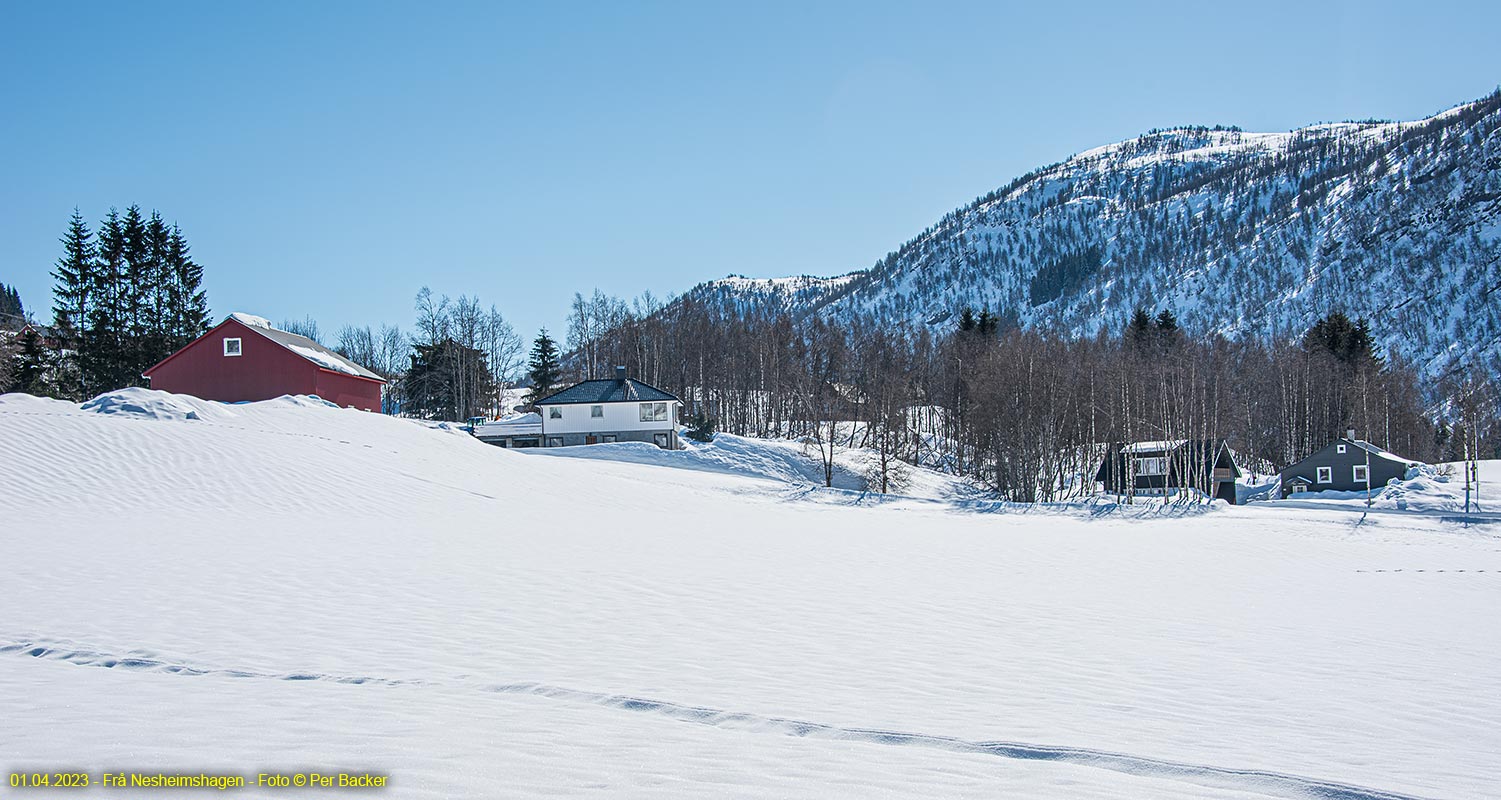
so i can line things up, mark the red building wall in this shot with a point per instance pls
(263, 370)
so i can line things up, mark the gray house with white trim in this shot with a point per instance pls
(1346, 464)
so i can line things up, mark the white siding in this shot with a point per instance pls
(618, 417)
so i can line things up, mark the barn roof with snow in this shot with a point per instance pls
(305, 347)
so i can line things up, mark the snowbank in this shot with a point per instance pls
(290, 584)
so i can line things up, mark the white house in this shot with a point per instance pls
(618, 409)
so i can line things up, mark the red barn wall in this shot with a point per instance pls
(263, 370)
(348, 390)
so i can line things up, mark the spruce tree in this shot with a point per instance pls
(543, 368)
(103, 356)
(140, 278)
(986, 325)
(75, 280)
(1139, 329)
(188, 303)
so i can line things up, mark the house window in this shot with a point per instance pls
(1298, 487)
(1326, 474)
(554, 441)
(653, 412)
(1151, 466)
(554, 413)
(231, 347)
(596, 412)
(1361, 475)
(607, 438)
(1339, 448)
(660, 439)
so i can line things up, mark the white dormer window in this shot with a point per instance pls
(231, 347)
(554, 413)
(1339, 448)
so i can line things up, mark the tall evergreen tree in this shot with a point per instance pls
(74, 278)
(1139, 329)
(140, 279)
(103, 356)
(543, 368)
(188, 302)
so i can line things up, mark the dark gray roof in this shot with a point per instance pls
(610, 390)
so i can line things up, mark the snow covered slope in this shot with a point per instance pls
(1253, 234)
(193, 586)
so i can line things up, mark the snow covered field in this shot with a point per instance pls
(284, 585)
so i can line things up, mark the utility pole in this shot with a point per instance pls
(1367, 477)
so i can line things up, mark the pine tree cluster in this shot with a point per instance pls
(124, 299)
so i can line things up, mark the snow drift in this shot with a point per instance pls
(286, 584)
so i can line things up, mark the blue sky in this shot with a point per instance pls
(329, 159)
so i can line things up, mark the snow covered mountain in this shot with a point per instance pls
(1244, 233)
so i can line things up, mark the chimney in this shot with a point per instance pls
(620, 374)
(1350, 434)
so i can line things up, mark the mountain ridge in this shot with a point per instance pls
(1236, 232)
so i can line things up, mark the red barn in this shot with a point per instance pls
(244, 358)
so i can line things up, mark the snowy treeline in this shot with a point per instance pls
(1020, 411)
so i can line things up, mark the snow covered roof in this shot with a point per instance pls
(303, 346)
(251, 320)
(1380, 453)
(610, 390)
(1152, 447)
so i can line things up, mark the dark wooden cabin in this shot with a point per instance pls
(1163, 468)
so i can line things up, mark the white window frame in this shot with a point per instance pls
(596, 412)
(655, 412)
(1298, 487)
(1151, 465)
(1360, 473)
(239, 349)
(1339, 448)
(1324, 474)
(609, 438)
(554, 412)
